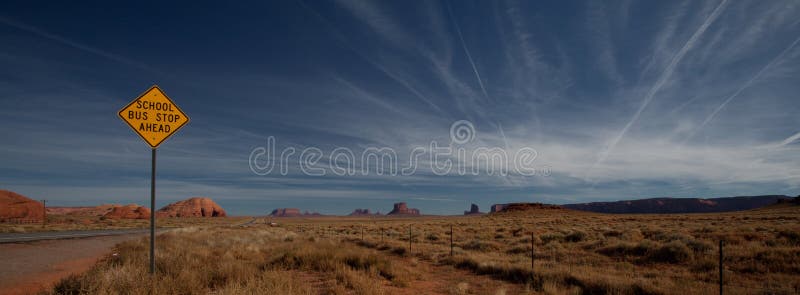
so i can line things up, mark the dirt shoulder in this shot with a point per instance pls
(32, 266)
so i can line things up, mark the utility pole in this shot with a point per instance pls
(44, 220)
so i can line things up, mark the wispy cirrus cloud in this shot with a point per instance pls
(630, 99)
(744, 86)
(666, 74)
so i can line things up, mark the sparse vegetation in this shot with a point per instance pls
(482, 246)
(591, 253)
(237, 261)
(574, 253)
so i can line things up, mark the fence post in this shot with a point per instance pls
(451, 240)
(532, 252)
(720, 266)
(362, 233)
(409, 239)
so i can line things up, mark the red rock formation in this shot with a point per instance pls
(286, 212)
(292, 212)
(680, 205)
(363, 212)
(16, 206)
(131, 211)
(311, 214)
(194, 207)
(104, 210)
(793, 201)
(65, 210)
(473, 210)
(516, 207)
(402, 209)
(82, 211)
(497, 208)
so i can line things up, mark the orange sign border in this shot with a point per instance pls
(134, 128)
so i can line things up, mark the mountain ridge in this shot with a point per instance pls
(665, 205)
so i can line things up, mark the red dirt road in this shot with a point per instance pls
(26, 268)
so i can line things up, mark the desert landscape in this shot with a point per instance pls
(20, 214)
(523, 248)
(366, 147)
(41, 245)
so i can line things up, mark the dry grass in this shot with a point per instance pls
(578, 252)
(575, 253)
(237, 261)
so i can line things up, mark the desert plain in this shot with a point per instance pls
(535, 251)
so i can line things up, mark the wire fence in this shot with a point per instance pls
(20, 221)
(449, 240)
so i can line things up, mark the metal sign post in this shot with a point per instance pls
(154, 117)
(153, 214)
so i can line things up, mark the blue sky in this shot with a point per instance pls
(620, 99)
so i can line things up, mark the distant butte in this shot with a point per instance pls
(402, 209)
(496, 208)
(363, 212)
(285, 212)
(680, 205)
(291, 212)
(517, 207)
(473, 210)
(131, 211)
(193, 207)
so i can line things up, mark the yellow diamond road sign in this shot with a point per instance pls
(153, 116)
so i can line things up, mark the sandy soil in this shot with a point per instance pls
(432, 278)
(446, 280)
(30, 267)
